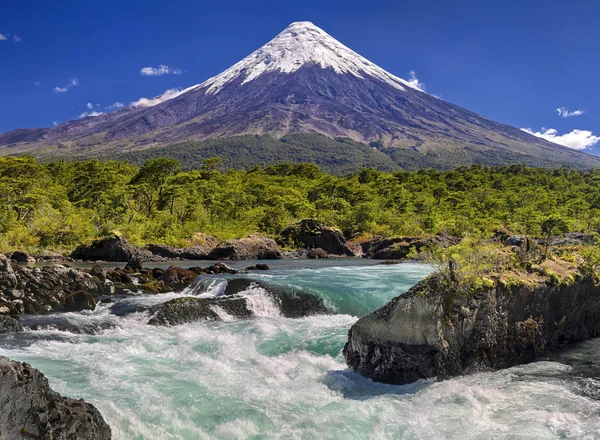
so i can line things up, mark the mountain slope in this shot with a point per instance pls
(303, 81)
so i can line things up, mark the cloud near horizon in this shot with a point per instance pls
(564, 112)
(168, 94)
(159, 71)
(576, 139)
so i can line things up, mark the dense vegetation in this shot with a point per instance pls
(59, 205)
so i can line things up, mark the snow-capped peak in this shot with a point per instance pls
(302, 43)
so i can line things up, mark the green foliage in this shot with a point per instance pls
(59, 205)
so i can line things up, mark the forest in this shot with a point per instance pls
(59, 205)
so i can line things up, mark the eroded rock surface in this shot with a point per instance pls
(30, 409)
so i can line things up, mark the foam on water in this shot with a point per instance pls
(272, 377)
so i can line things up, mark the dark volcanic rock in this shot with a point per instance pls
(22, 257)
(29, 409)
(254, 247)
(397, 248)
(435, 330)
(112, 248)
(317, 253)
(177, 279)
(36, 290)
(312, 234)
(79, 301)
(189, 253)
(9, 325)
(236, 301)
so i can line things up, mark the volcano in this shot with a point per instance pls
(302, 81)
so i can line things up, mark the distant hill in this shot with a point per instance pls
(302, 81)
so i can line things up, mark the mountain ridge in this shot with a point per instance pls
(302, 81)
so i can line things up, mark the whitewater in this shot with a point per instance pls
(273, 377)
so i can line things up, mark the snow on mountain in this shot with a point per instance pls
(300, 44)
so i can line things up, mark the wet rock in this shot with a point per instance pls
(184, 310)
(317, 253)
(435, 330)
(112, 248)
(234, 301)
(258, 266)
(9, 325)
(312, 234)
(22, 257)
(134, 265)
(79, 301)
(98, 272)
(176, 279)
(30, 409)
(219, 268)
(254, 247)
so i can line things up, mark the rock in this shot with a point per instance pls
(173, 253)
(176, 279)
(218, 268)
(572, 239)
(254, 247)
(516, 240)
(98, 272)
(317, 253)
(79, 301)
(112, 248)
(435, 330)
(313, 234)
(236, 301)
(262, 266)
(22, 257)
(184, 310)
(9, 325)
(398, 248)
(134, 265)
(30, 409)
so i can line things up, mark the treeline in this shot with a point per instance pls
(60, 205)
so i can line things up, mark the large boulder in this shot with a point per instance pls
(312, 234)
(241, 298)
(254, 247)
(438, 329)
(177, 279)
(30, 409)
(79, 301)
(112, 248)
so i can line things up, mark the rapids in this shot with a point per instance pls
(273, 377)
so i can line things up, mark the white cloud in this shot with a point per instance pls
(564, 112)
(73, 82)
(169, 94)
(160, 70)
(93, 113)
(89, 105)
(55, 123)
(16, 39)
(3, 37)
(576, 139)
(414, 81)
(115, 106)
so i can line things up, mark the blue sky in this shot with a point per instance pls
(516, 62)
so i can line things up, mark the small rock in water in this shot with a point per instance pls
(134, 265)
(78, 301)
(9, 325)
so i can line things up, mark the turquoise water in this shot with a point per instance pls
(272, 377)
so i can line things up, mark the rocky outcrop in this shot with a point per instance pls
(398, 248)
(254, 247)
(439, 330)
(9, 325)
(38, 290)
(312, 234)
(196, 252)
(113, 248)
(22, 257)
(238, 300)
(30, 409)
